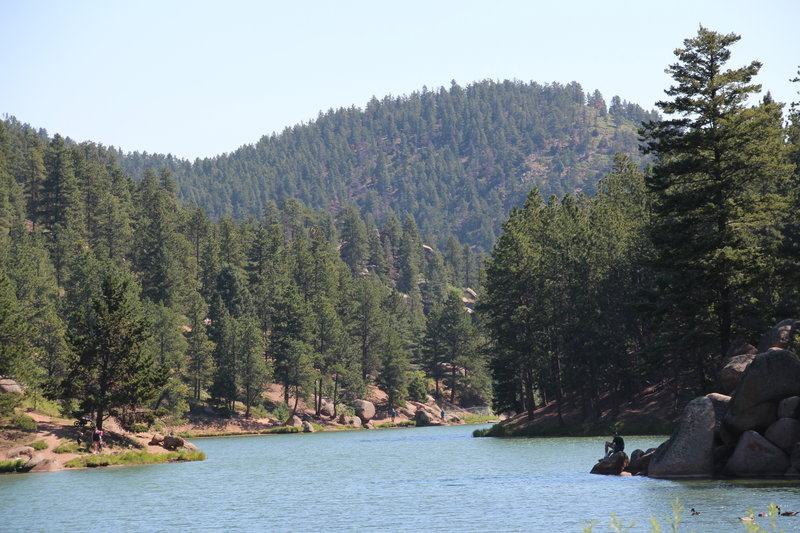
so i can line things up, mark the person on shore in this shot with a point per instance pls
(441, 414)
(97, 440)
(393, 413)
(617, 444)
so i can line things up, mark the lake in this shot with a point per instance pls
(419, 479)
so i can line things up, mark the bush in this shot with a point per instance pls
(23, 422)
(418, 387)
(15, 465)
(8, 401)
(67, 447)
(38, 445)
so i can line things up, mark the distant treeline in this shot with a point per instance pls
(454, 160)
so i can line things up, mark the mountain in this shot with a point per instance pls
(456, 160)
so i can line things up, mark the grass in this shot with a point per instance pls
(67, 447)
(750, 524)
(401, 424)
(135, 458)
(38, 445)
(14, 465)
(23, 422)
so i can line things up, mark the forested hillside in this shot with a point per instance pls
(663, 273)
(455, 160)
(114, 297)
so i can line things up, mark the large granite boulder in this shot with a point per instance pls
(755, 456)
(326, 409)
(307, 427)
(10, 386)
(365, 410)
(19, 451)
(784, 433)
(756, 417)
(690, 450)
(789, 407)
(640, 461)
(294, 421)
(172, 442)
(613, 465)
(157, 440)
(780, 337)
(771, 377)
(423, 418)
(732, 371)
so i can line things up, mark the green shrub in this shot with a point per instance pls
(38, 445)
(8, 401)
(67, 447)
(418, 387)
(23, 422)
(135, 458)
(42, 405)
(281, 412)
(14, 465)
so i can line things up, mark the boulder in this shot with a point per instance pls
(756, 456)
(343, 418)
(307, 427)
(640, 461)
(784, 433)
(780, 337)
(690, 450)
(423, 418)
(365, 410)
(33, 461)
(732, 371)
(794, 458)
(45, 465)
(172, 442)
(740, 347)
(156, 440)
(326, 409)
(10, 386)
(757, 417)
(771, 377)
(789, 407)
(17, 451)
(189, 446)
(354, 421)
(294, 421)
(613, 465)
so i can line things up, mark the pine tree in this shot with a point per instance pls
(113, 370)
(719, 165)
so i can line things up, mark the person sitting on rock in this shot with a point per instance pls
(617, 444)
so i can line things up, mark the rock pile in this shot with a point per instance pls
(754, 432)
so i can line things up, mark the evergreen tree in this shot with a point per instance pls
(113, 370)
(719, 165)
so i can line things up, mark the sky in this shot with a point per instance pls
(200, 78)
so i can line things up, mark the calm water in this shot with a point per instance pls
(425, 479)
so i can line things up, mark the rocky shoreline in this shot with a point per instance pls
(751, 432)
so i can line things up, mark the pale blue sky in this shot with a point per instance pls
(199, 78)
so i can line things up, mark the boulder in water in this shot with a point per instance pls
(613, 465)
(755, 456)
(690, 450)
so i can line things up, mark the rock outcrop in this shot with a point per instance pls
(365, 410)
(755, 432)
(690, 450)
(613, 465)
(8, 385)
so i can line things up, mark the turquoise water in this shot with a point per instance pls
(422, 479)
